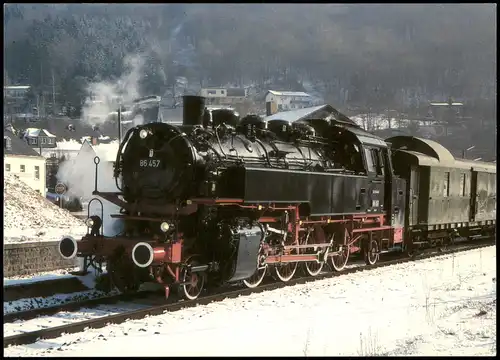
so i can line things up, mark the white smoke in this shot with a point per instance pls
(104, 96)
(79, 176)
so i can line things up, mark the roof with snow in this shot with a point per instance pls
(17, 87)
(316, 112)
(106, 152)
(295, 115)
(60, 127)
(446, 104)
(68, 145)
(288, 93)
(35, 132)
(17, 146)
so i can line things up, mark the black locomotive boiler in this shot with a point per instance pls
(221, 200)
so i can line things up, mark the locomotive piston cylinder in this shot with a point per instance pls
(145, 255)
(68, 247)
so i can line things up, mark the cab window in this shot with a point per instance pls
(374, 161)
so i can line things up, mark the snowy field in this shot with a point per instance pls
(439, 306)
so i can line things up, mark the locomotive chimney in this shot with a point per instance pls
(194, 108)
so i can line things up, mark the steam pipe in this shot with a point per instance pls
(120, 124)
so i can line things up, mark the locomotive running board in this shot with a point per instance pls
(112, 197)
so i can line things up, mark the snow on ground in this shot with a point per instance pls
(42, 276)
(439, 306)
(58, 299)
(87, 280)
(49, 301)
(30, 217)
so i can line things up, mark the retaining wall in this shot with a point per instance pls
(30, 258)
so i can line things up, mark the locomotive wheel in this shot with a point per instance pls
(313, 268)
(194, 283)
(255, 280)
(371, 253)
(445, 243)
(122, 274)
(285, 271)
(411, 252)
(339, 261)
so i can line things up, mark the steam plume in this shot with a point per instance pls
(79, 175)
(103, 96)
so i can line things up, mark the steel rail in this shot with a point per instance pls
(51, 333)
(71, 306)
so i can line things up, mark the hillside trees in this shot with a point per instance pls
(373, 53)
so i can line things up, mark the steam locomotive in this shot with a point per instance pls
(221, 200)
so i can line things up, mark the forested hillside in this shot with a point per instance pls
(371, 55)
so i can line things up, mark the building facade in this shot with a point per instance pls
(223, 96)
(39, 138)
(15, 100)
(21, 160)
(277, 101)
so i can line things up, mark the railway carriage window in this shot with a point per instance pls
(463, 184)
(446, 184)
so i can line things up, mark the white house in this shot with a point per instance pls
(223, 96)
(286, 100)
(213, 92)
(21, 160)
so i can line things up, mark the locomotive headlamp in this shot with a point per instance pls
(94, 223)
(164, 227)
(143, 134)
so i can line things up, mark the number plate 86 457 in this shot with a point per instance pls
(149, 163)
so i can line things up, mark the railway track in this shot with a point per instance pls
(72, 306)
(159, 307)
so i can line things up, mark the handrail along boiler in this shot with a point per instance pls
(221, 200)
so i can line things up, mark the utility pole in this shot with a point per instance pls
(41, 85)
(53, 94)
(38, 105)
